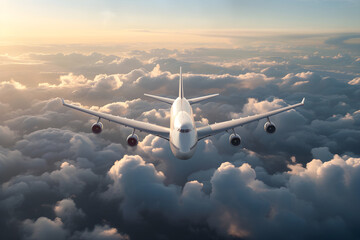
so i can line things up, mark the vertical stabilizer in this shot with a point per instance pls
(181, 86)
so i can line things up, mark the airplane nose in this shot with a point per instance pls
(184, 155)
(184, 144)
(184, 150)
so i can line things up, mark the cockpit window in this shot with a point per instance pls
(184, 130)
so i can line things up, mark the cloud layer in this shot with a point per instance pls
(59, 180)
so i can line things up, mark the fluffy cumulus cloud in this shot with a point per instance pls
(100, 83)
(355, 81)
(44, 228)
(240, 205)
(102, 232)
(59, 181)
(67, 211)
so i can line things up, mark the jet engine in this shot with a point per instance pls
(269, 127)
(132, 140)
(234, 139)
(97, 127)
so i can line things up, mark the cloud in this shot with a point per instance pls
(124, 173)
(101, 83)
(239, 204)
(355, 81)
(43, 228)
(71, 180)
(66, 210)
(322, 153)
(59, 179)
(12, 85)
(255, 107)
(253, 202)
(7, 136)
(102, 232)
(341, 42)
(12, 162)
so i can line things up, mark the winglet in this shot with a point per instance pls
(303, 101)
(63, 102)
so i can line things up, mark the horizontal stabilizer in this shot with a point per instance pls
(161, 99)
(199, 99)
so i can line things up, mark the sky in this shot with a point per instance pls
(60, 181)
(161, 21)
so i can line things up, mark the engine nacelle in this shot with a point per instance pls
(132, 140)
(97, 127)
(234, 140)
(269, 127)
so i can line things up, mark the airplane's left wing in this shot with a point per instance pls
(212, 129)
(141, 126)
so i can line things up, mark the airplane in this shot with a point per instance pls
(183, 135)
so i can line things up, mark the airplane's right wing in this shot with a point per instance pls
(142, 126)
(212, 129)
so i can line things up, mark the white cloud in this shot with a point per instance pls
(44, 228)
(71, 180)
(101, 82)
(67, 211)
(12, 84)
(52, 166)
(253, 80)
(102, 232)
(302, 75)
(7, 136)
(253, 106)
(300, 83)
(355, 81)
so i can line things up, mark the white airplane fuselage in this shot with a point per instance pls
(183, 134)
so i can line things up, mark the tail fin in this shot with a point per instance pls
(181, 86)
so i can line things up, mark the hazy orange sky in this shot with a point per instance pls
(163, 23)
